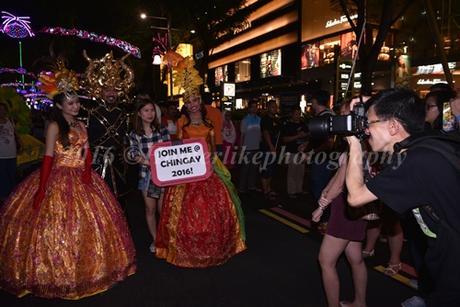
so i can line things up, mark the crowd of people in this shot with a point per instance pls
(64, 234)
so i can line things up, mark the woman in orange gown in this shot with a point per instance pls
(62, 232)
(201, 223)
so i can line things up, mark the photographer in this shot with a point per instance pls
(426, 181)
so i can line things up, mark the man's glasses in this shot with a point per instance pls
(429, 106)
(376, 121)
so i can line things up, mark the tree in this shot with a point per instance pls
(380, 15)
(213, 21)
(438, 40)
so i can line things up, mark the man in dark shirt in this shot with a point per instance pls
(321, 145)
(421, 179)
(293, 134)
(270, 143)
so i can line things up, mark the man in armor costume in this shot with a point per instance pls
(108, 82)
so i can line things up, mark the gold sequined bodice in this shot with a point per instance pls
(72, 156)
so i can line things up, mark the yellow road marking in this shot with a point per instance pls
(397, 277)
(284, 221)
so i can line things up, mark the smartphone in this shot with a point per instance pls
(448, 118)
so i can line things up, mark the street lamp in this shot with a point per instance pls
(156, 57)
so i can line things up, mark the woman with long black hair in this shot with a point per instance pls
(62, 232)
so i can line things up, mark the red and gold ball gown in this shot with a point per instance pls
(201, 223)
(76, 244)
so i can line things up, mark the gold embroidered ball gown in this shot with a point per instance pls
(75, 244)
(201, 223)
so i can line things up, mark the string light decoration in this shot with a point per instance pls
(19, 70)
(16, 84)
(104, 39)
(34, 98)
(16, 26)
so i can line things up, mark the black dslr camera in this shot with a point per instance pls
(353, 124)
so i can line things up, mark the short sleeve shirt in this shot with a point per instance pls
(292, 129)
(270, 125)
(250, 127)
(423, 177)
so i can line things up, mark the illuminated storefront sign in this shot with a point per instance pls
(435, 69)
(423, 77)
(430, 81)
(333, 22)
(319, 19)
(229, 89)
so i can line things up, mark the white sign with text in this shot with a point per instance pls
(180, 163)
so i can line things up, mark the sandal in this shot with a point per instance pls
(392, 269)
(367, 254)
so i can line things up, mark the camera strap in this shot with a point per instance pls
(448, 145)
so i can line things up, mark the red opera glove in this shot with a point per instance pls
(45, 171)
(86, 176)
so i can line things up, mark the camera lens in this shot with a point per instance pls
(319, 126)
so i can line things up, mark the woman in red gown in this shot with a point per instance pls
(201, 224)
(62, 232)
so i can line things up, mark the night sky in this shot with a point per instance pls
(116, 18)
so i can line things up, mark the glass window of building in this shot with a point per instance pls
(218, 75)
(243, 70)
(270, 63)
(323, 52)
(327, 49)
(348, 45)
(310, 56)
(221, 74)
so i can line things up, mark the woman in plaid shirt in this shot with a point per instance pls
(147, 132)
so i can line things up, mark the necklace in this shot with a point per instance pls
(196, 122)
(74, 124)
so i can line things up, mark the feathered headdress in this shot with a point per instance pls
(61, 80)
(108, 72)
(188, 78)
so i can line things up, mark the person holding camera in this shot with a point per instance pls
(424, 177)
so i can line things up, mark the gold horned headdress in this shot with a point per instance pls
(108, 72)
(60, 80)
(188, 78)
